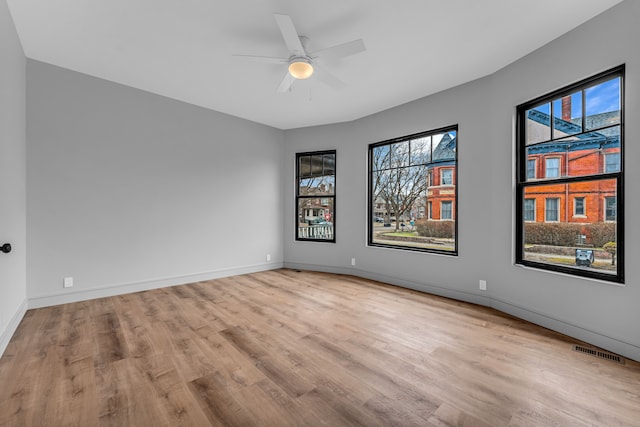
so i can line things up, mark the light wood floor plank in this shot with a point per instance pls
(290, 348)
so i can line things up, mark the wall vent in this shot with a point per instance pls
(600, 354)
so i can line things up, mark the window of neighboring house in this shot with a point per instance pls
(401, 178)
(551, 209)
(552, 167)
(446, 177)
(530, 210)
(611, 162)
(610, 209)
(571, 128)
(445, 210)
(578, 206)
(531, 168)
(315, 196)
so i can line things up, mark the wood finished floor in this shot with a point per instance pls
(283, 348)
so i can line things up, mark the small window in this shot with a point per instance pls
(445, 210)
(578, 206)
(531, 169)
(552, 169)
(315, 196)
(612, 162)
(530, 210)
(610, 209)
(430, 210)
(446, 177)
(552, 206)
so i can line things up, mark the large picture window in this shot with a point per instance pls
(315, 196)
(413, 197)
(578, 133)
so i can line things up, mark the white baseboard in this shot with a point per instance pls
(125, 288)
(11, 327)
(565, 327)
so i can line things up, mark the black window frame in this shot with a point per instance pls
(428, 176)
(315, 196)
(522, 181)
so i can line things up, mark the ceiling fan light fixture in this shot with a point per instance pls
(300, 68)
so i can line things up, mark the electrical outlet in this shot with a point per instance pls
(268, 257)
(353, 261)
(67, 282)
(483, 285)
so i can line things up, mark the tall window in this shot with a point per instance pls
(315, 196)
(551, 209)
(578, 130)
(445, 210)
(610, 209)
(531, 169)
(446, 176)
(552, 167)
(530, 210)
(401, 175)
(578, 206)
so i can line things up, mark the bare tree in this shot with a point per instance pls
(400, 176)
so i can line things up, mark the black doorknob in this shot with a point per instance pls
(6, 248)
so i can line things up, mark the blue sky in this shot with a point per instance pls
(602, 98)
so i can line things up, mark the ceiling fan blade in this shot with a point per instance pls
(286, 83)
(266, 59)
(327, 78)
(289, 34)
(341, 50)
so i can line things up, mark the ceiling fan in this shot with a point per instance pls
(302, 64)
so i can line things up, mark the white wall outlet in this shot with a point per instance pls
(67, 282)
(268, 257)
(353, 261)
(483, 285)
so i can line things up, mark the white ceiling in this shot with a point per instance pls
(183, 49)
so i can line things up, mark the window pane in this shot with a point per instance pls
(329, 164)
(578, 206)
(567, 114)
(551, 210)
(421, 150)
(381, 156)
(317, 165)
(319, 185)
(399, 154)
(530, 209)
(446, 176)
(445, 211)
(552, 169)
(603, 104)
(444, 146)
(586, 154)
(556, 242)
(304, 166)
(531, 169)
(538, 124)
(611, 209)
(612, 162)
(315, 218)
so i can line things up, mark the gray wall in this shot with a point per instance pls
(598, 312)
(127, 190)
(13, 286)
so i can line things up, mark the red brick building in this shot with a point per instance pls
(585, 154)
